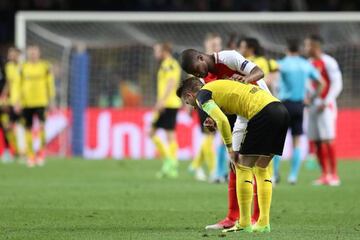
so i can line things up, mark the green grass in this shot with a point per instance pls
(77, 199)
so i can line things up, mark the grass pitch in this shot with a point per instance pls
(77, 199)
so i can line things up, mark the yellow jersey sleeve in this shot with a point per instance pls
(50, 82)
(209, 106)
(273, 65)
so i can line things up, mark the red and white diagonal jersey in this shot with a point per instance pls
(330, 72)
(230, 62)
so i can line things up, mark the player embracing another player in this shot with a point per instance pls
(264, 137)
(323, 111)
(228, 64)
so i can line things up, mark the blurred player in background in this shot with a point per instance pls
(37, 94)
(323, 111)
(220, 65)
(206, 154)
(166, 108)
(251, 49)
(265, 136)
(295, 71)
(12, 93)
(6, 156)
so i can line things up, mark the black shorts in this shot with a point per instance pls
(266, 131)
(203, 115)
(13, 116)
(296, 112)
(30, 113)
(167, 119)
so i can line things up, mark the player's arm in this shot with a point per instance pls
(236, 61)
(50, 85)
(316, 77)
(336, 83)
(273, 74)
(212, 109)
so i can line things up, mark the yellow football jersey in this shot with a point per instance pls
(238, 98)
(37, 84)
(222, 97)
(266, 65)
(169, 70)
(12, 72)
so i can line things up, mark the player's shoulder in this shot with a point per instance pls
(225, 55)
(329, 60)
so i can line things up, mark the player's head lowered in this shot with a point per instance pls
(313, 45)
(196, 63)
(162, 50)
(188, 89)
(33, 53)
(249, 47)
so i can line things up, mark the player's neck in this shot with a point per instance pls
(211, 63)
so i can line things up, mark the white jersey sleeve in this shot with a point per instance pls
(335, 77)
(234, 61)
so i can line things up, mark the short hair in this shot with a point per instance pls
(33, 46)
(191, 84)
(167, 47)
(187, 59)
(252, 43)
(316, 38)
(211, 35)
(293, 45)
(13, 48)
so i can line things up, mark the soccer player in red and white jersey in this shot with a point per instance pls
(222, 65)
(323, 111)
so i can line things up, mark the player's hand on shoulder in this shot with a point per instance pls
(238, 77)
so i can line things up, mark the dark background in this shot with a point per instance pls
(8, 8)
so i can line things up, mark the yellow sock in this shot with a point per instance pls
(264, 192)
(270, 168)
(42, 138)
(200, 156)
(160, 146)
(173, 150)
(244, 192)
(12, 139)
(29, 143)
(209, 153)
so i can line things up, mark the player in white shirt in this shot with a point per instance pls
(323, 111)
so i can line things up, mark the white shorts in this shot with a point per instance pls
(239, 132)
(322, 125)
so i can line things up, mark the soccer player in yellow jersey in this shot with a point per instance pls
(166, 108)
(251, 49)
(265, 136)
(37, 93)
(12, 93)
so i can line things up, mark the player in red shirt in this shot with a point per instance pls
(224, 65)
(323, 111)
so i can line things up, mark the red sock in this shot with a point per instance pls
(256, 210)
(320, 152)
(312, 147)
(332, 158)
(233, 213)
